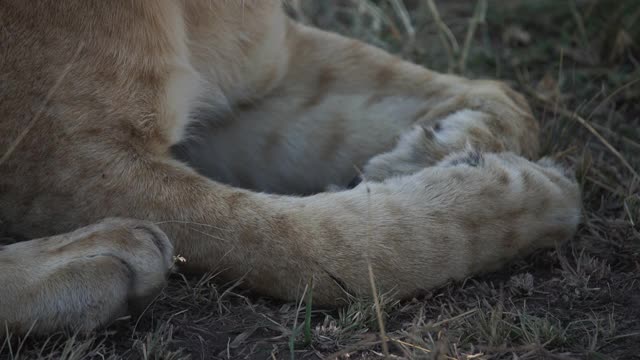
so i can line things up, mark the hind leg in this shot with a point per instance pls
(84, 279)
(338, 103)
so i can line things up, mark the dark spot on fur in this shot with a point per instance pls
(457, 176)
(93, 132)
(246, 105)
(283, 227)
(491, 192)
(515, 214)
(375, 98)
(543, 206)
(503, 179)
(471, 158)
(471, 225)
(497, 126)
(354, 182)
(325, 79)
(332, 233)
(248, 236)
(428, 133)
(234, 199)
(386, 73)
(528, 182)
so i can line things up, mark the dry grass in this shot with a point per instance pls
(579, 63)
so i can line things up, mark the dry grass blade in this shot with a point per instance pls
(478, 18)
(344, 353)
(457, 317)
(612, 95)
(581, 29)
(425, 350)
(572, 115)
(372, 281)
(294, 331)
(403, 14)
(445, 34)
(622, 138)
(376, 301)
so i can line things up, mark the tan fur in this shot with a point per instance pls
(95, 94)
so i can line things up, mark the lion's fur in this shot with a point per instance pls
(270, 105)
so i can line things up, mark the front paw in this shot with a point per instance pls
(85, 279)
(425, 146)
(506, 121)
(141, 247)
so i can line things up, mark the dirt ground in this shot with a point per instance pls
(579, 64)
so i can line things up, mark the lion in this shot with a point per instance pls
(136, 131)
